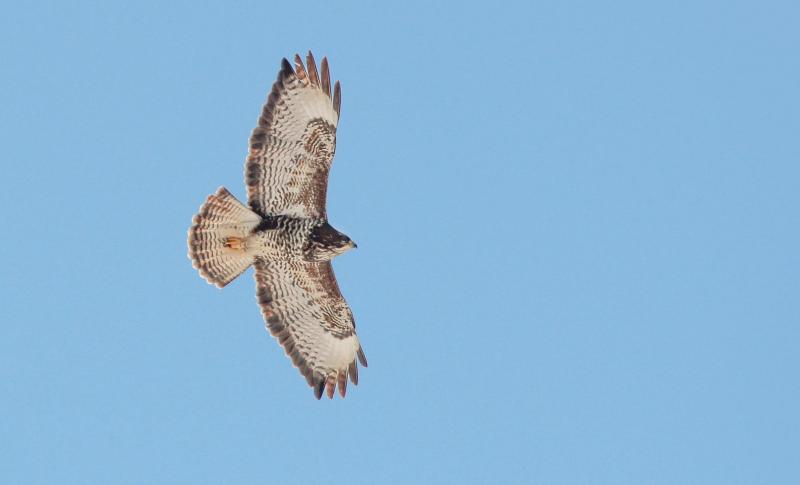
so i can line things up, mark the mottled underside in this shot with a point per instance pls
(286, 173)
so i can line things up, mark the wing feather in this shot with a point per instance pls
(352, 372)
(293, 145)
(299, 70)
(305, 311)
(342, 382)
(337, 98)
(326, 77)
(312, 69)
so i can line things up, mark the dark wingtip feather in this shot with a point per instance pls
(318, 388)
(361, 357)
(311, 67)
(326, 77)
(337, 98)
(298, 67)
(342, 382)
(308, 375)
(330, 386)
(286, 69)
(352, 371)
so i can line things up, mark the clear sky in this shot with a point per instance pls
(578, 229)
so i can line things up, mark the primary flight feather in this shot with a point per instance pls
(284, 233)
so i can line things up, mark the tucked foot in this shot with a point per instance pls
(234, 242)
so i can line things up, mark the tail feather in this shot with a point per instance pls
(217, 238)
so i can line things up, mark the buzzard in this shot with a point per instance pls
(284, 233)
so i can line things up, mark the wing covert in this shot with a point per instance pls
(292, 147)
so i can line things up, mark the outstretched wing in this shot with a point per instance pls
(292, 148)
(305, 311)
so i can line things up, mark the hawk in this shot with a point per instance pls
(284, 233)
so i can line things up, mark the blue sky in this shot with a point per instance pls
(578, 240)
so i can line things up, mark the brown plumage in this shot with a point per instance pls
(312, 69)
(284, 234)
(337, 98)
(326, 77)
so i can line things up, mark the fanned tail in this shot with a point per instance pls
(218, 236)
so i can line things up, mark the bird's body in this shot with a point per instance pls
(284, 231)
(283, 238)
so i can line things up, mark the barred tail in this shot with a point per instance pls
(217, 238)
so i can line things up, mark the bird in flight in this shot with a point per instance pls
(284, 233)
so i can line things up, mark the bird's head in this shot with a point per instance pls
(325, 243)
